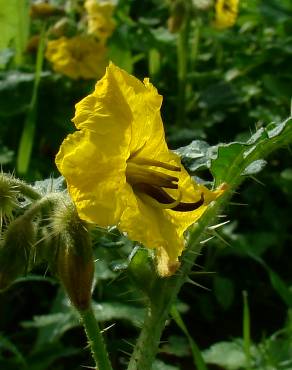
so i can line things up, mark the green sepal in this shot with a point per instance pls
(142, 270)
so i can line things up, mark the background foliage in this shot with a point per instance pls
(238, 80)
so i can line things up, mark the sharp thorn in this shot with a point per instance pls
(207, 240)
(107, 328)
(257, 180)
(218, 225)
(197, 284)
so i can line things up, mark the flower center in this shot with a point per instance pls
(150, 184)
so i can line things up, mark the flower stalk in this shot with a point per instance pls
(167, 291)
(95, 340)
(26, 141)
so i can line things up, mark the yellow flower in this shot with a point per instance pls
(119, 170)
(226, 13)
(100, 21)
(77, 57)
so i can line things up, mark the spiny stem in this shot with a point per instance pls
(165, 293)
(95, 340)
(27, 190)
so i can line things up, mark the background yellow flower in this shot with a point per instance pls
(226, 13)
(77, 57)
(100, 21)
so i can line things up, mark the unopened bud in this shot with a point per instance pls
(33, 44)
(44, 10)
(15, 250)
(177, 16)
(75, 263)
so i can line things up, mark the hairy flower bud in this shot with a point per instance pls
(75, 264)
(15, 250)
(8, 197)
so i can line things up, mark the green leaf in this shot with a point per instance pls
(8, 21)
(197, 155)
(197, 356)
(229, 156)
(42, 359)
(50, 185)
(7, 345)
(5, 57)
(176, 346)
(254, 167)
(224, 291)
(60, 322)
(15, 87)
(237, 158)
(122, 57)
(277, 282)
(6, 155)
(159, 365)
(14, 25)
(106, 311)
(228, 355)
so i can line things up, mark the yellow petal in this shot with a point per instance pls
(154, 228)
(95, 180)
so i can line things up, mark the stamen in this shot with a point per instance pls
(152, 194)
(136, 174)
(165, 200)
(155, 163)
(187, 207)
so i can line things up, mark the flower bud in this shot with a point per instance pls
(15, 250)
(33, 44)
(142, 270)
(44, 10)
(75, 264)
(76, 270)
(177, 16)
(8, 197)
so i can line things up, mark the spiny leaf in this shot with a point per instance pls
(236, 159)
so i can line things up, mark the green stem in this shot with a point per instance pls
(28, 133)
(22, 31)
(20, 186)
(246, 331)
(95, 340)
(165, 292)
(148, 342)
(27, 190)
(194, 52)
(182, 60)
